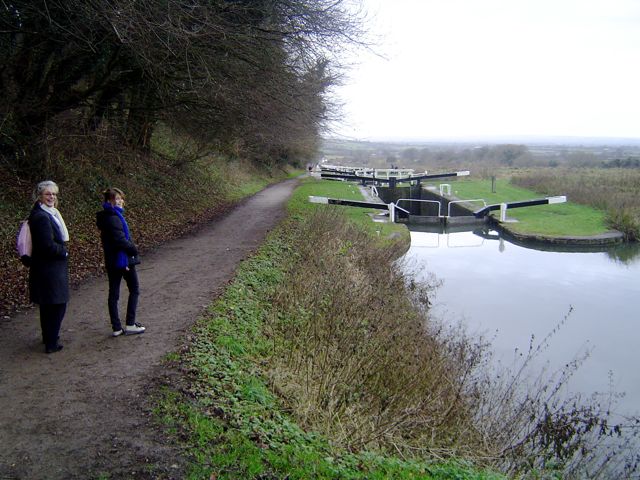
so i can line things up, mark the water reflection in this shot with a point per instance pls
(624, 253)
(494, 285)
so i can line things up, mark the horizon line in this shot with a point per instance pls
(487, 138)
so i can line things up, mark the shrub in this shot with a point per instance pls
(356, 353)
(626, 222)
(357, 357)
(614, 190)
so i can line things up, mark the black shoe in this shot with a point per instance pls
(53, 349)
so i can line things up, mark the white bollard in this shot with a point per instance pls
(445, 187)
(392, 212)
(503, 212)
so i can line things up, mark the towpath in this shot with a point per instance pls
(84, 410)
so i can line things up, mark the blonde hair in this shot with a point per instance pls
(46, 185)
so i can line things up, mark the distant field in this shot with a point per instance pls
(604, 188)
(560, 219)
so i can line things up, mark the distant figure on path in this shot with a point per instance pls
(120, 259)
(49, 271)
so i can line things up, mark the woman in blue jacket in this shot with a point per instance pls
(120, 259)
(48, 272)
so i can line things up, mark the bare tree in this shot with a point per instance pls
(247, 76)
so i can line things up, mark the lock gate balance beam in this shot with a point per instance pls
(483, 212)
(349, 203)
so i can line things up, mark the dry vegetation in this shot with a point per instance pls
(357, 357)
(616, 191)
(355, 349)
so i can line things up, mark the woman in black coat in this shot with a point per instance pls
(49, 273)
(120, 258)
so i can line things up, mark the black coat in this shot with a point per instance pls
(113, 238)
(49, 272)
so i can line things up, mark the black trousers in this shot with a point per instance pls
(51, 316)
(115, 278)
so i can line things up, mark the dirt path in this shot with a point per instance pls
(79, 412)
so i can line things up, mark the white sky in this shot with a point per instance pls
(482, 68)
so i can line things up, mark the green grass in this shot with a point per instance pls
(246, 189)
(328, 188)
(616, 191)
(565, 219)
(295, 172)
(250, 184)
(568, 219)
(346, 191)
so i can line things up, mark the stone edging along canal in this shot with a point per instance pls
(604, 239)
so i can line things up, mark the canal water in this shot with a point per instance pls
(509, 293)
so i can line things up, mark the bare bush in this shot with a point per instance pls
(358, 358)
(615, 191)
(355, 352)
(536, 427)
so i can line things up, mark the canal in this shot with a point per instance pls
(511, 294)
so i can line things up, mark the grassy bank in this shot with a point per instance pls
(615, 191)
(293, 373)
(566, 219)
(299, 205)
(168, 193)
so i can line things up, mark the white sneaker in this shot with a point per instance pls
(117, 333)
(134, 329)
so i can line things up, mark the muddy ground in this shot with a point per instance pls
(85, 410)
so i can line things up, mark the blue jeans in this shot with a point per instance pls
(115, 278)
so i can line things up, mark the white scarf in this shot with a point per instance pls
(57, 217)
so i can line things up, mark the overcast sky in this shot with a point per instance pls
(493, 68)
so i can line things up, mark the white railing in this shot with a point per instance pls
(400, 208)
(392, 212)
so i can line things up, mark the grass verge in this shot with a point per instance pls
(616, 191)
(384, 231)
(565, 219)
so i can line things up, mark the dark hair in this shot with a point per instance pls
(111, 192)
